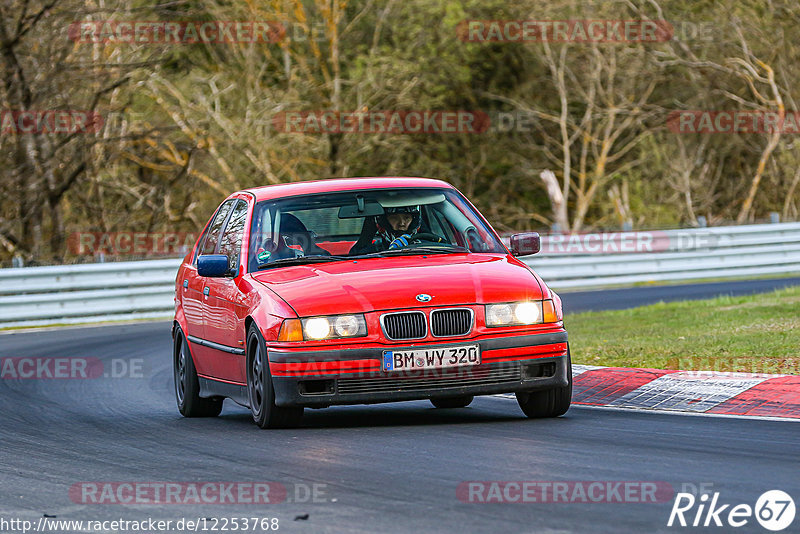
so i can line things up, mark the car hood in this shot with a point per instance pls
(390, 283)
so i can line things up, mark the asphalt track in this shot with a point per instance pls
(383, 468)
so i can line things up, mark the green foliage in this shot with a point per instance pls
(200, 118)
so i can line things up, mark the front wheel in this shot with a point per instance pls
(549, 402)
(260, 392)
(187, 386)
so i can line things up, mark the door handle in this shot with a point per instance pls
(206, 290)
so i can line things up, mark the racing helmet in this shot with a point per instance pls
(385, 229)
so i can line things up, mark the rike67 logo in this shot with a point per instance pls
(774, 510)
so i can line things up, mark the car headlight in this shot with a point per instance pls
(337, 326)
(514, 313)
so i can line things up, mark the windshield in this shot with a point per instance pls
(365, 223)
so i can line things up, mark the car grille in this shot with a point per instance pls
(454, 322)
(405, 325)
(459, 377)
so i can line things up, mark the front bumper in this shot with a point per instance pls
(353, 376)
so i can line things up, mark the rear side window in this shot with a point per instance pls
(327, 224)
(231, 242)
(214, 229)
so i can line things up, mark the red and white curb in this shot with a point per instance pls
(691, 392)
(709, 392)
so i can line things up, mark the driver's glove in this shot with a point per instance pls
(400, 242)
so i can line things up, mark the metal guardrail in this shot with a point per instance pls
(145, 289)
(64, 294)
(720, 252)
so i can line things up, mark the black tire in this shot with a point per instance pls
(260, 392)
(187, 387)
(461, 401)
(548, 402)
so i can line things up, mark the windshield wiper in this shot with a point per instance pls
(411, 251)
(302, 260)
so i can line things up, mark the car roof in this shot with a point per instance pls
(331, 185)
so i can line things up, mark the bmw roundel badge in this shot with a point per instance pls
(424, 297)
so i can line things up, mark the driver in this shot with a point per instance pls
(396, 227)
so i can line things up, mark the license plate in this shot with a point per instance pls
(431, 358)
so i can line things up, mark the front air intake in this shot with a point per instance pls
(404, 325)
(451, 322)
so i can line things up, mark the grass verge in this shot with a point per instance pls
(755, 333)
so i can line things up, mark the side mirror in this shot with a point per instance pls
(213, 265)
(525, 244)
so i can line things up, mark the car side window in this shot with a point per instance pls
(231, 242)
(209, 246)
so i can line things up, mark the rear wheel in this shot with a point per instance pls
(461, 401)
(549, 402)
(260, 391)
(187, 387)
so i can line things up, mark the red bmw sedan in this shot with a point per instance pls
(358, 291)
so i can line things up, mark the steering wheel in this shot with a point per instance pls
(429, 236)
(402, 242)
